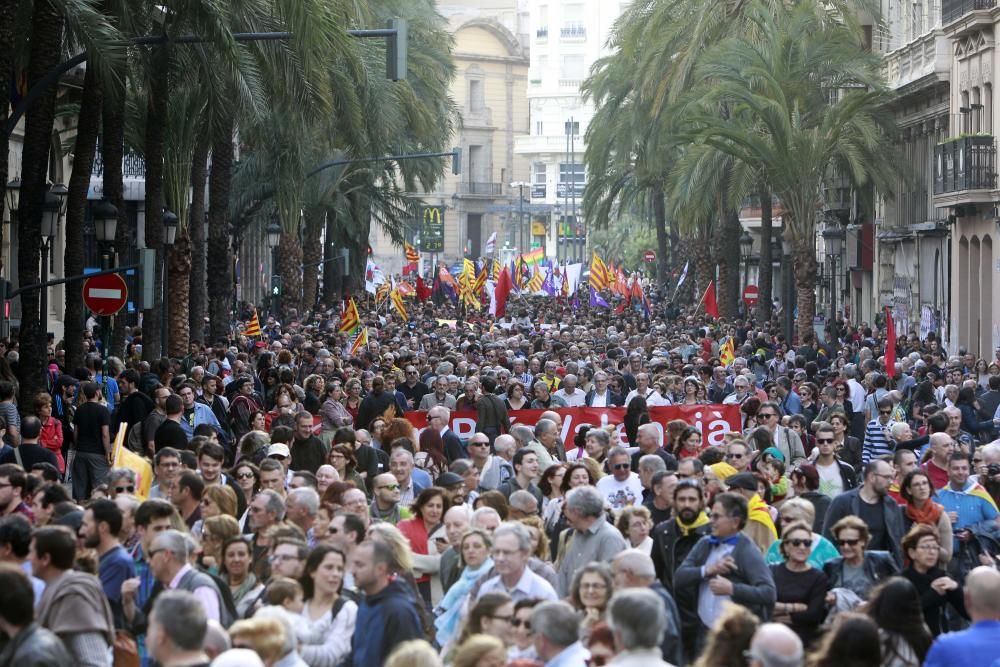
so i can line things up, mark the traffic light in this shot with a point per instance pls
(396, 50)
(275, 285)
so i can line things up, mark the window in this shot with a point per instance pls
(572, 67)
(571, 179)
(542, 25)
(572, 125)
(573, 22)
(476, 98)
(538, 128)
(538, 180)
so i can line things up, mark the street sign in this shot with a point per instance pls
(751, 294)
(105, 295)
(649, 256)
(432, 229)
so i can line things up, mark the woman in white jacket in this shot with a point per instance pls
(330, 615)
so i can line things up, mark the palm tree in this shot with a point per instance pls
(778, 89)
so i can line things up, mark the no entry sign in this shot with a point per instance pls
(751, 294)
(105, 295)
(649, 256)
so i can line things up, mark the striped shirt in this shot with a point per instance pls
(877, 442)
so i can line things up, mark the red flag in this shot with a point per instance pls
(890, 344)
(498, 307)
(423, 292)
(711, 305)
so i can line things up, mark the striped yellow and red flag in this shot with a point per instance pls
(412, 254)
(349, 319)
(728, 352)
(397, 301)
(535, 284)
(496, 269)
(599, 275)
(253, 326)
(382, 293)
(360, 342)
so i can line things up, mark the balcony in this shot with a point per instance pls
(573, 31)
(474, 189)
(133, 164)
(952, 10)
(542, 33)
(963, 165)
(538, 191)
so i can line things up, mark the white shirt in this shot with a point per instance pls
(830, 481)
(600, 400)
(574, 400)
(620, 494)
(709, 604)
(858, 394)
(530, 585)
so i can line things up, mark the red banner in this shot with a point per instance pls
(714, 421)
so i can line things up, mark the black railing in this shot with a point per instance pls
(542, 33)
(952, 10)
(133, 164)
(573, 31)
(969, 163)
(483, 189)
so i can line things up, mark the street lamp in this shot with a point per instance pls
(833, 238)
(51, 210)
(273, 240)
(273, 234)
(746, 247)
(520, 185)
(105, 226)
(13, 195)
(170, 223)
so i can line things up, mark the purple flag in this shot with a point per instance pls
(596, 300)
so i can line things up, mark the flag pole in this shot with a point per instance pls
(704, 294)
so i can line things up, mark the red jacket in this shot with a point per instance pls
(51, 438)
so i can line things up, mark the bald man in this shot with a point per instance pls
(775, 645)
(978, 646)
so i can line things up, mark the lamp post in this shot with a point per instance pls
(52, 209)
(169, 236)
(833, 239)
(520, 185)
(105, 226)
(746, 247)
(273, 239)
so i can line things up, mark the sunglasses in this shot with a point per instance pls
(799, 543)
(518, 622)
(766, 415)
(479, 444)
(622, 466)
(847, 543)
(735, 456)
(245, 475)
(124, 489)
(885, 412)
(820, 441)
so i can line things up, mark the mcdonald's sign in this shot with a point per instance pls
(432, 229)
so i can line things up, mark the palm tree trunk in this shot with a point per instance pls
(46, 50)
(179, 265)
(766, 300)
(219, 180)
(660, 222)
(87, 124)
(8, 12)
(290, 270)
(728, 256)
(805, 284)
(704, 267)
(112, 152)
(156, 124)
(312, 253)
(198, 298)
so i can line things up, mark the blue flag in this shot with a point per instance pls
(596, 300)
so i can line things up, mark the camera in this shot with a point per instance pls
(993, 469)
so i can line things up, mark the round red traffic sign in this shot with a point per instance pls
(105, 295)
(649, 256)
(751, 294)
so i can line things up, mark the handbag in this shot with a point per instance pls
(125, 650)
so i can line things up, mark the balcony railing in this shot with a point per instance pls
(573, 31)
(952, 10)
(133, 164)
(481, 189)
(969, 163)
(542, 33)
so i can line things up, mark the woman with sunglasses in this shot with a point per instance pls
(921, 509)
(247, 477)
(848, 447)
(795, 511)
(936, 589)
(523, 647)
(857, 568)
(801, 587)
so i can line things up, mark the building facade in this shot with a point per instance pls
(489, 89)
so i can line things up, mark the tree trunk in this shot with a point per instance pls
(766, 272)
(220, 177)
(8, 12)
(290, 270)
(728, 256)
(87, 125)
(312, 253)
(112, 153)
(198, 298)
(660, 222)
(46, 49)
(156, 124)
(179, 265)
(704, 266)
(805, 284)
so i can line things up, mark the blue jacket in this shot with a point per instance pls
(384, 621)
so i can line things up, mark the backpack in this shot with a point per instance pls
(196, 579)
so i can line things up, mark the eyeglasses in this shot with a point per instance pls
(766, 415)
(885, 412)
(622, 466)
(799, 543)
(391, 487)
(735, 456)
(245, 475)
(125, 489)
(593, 587)
(153, 552)
(479, 444)
(847, 543)
(824, 441)
(518, 622)
(282, 557)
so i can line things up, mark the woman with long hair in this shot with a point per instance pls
(428, 511)
(352, 402)
(689, 444)
(247, 476)
(51, 436)
(237, 572)
(332, 410)
(550, 484)
(675, 429)
(727, 640)
(489, 615)
(847, 447)
(636, 414)
(474, 561)
(431, 456)
(577, 474)
(590, 591)
(331, 619)
(969, 405)
(214, 533)
(342, 459)
(852, 640)
(314, 386)
(895, 607)
(918, 492)
(809, 396)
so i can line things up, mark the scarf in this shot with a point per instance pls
(929, 514)
(450, 607)
(687, 529)
(759, 513)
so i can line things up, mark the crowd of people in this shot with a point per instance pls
(313, 507)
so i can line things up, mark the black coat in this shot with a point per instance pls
(878, 566)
